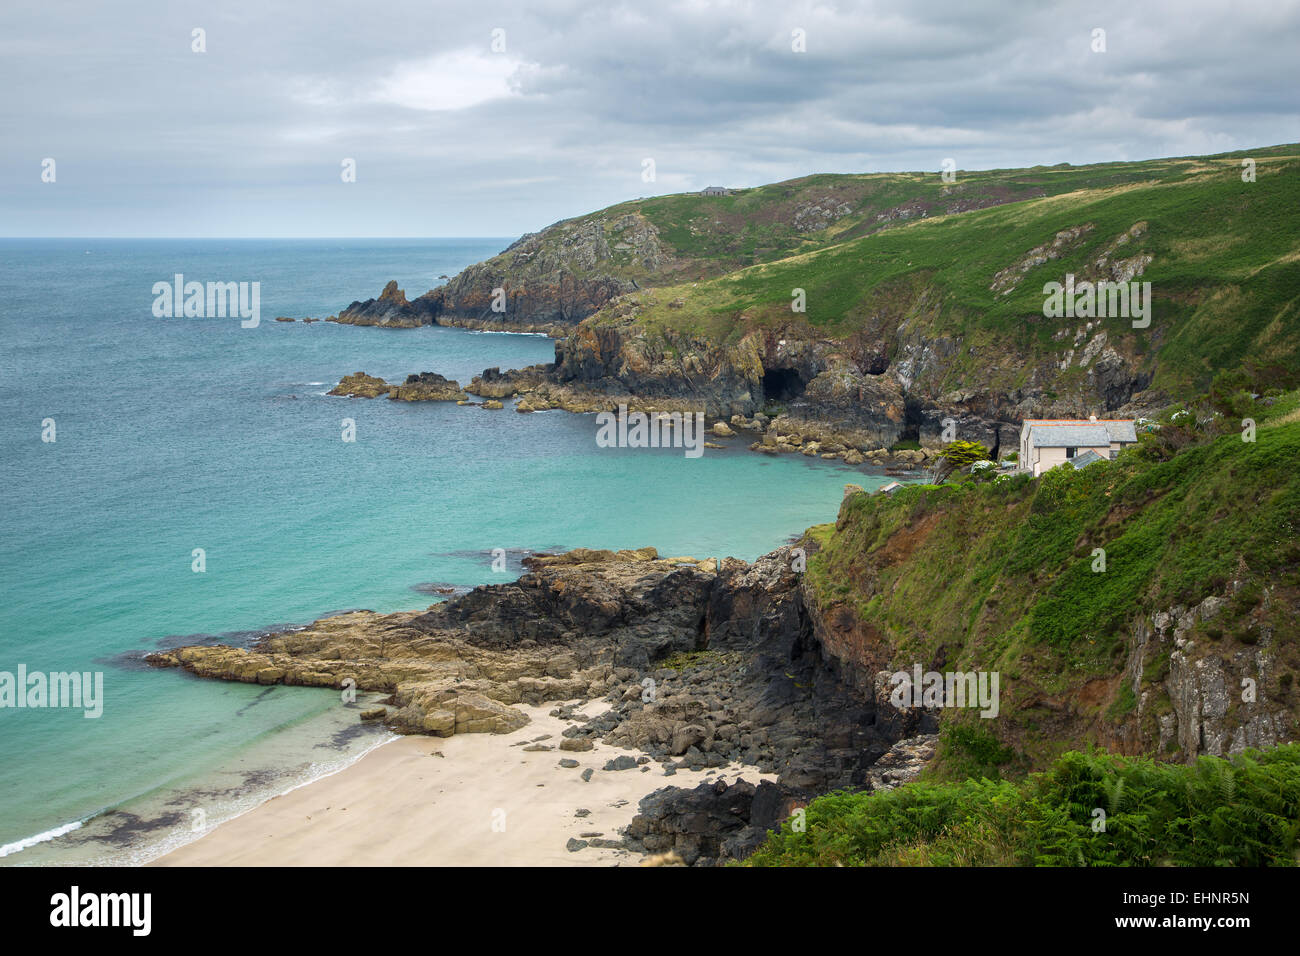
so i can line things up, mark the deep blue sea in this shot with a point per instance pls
(194, 433)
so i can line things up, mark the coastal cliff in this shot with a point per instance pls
(898, 310)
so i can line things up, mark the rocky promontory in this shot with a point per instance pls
(696, 664)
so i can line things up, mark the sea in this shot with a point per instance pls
(168, 481)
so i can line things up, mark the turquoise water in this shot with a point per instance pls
(177, 434)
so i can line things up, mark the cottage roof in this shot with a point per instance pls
(1049, 432)
(1092, 434)
(1086, 459)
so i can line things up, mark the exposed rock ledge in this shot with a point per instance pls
(424, 387)
(704, 662)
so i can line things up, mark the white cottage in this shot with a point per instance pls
(1048, 442)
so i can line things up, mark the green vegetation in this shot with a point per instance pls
(963, 454)
(1224, 261)
(1239, 812)
(1044, 580)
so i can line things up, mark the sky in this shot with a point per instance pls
(494, 119)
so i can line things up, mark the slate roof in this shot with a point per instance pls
(1122, 429)
(1086, 459)
(1059, 433)
(1093, 434)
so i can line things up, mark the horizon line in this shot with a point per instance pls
(251, 238)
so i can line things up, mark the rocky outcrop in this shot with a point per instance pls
(392, 310)
(360, 385)
(427, 387)
(713, 823)
(1210, 700)
(694, 663)
(559, 276)
(865, 394)
(546, 281)
(424, 387)
(903, 762)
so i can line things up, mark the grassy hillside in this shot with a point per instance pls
(1224, 263)
(707, 236)
(1000, 576)
(1243, 812)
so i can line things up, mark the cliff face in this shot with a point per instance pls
(869, 392)
(544, 282)
(1146, 606)
(867, 310)
(558, 276)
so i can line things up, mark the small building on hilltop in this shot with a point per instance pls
(714, 191)
(1048, 442)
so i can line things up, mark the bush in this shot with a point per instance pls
(1239, 812)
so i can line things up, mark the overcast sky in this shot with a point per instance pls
(452, 138)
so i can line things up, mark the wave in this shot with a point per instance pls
(19, 845)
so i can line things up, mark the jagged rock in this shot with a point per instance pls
(712, 823)
(360, 385)
(903, 762)
(428, 387)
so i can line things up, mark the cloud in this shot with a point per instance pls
(451, 138)
(456, 80)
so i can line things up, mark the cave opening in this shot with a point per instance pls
(875, 364)
(911, 420)
(782, 384)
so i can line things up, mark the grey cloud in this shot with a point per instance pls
(247, 139)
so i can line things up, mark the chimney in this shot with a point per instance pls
(1092, 418)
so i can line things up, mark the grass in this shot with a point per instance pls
(1087, 809)
(905, 256)
(1000, 575)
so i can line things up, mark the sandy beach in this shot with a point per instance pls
(467, 800)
